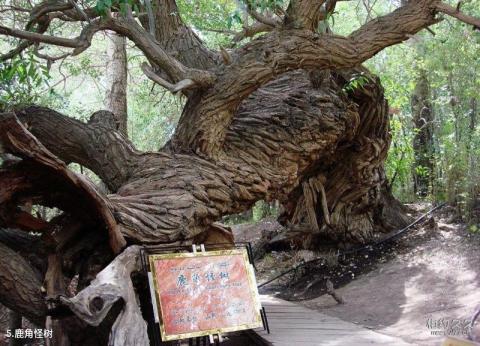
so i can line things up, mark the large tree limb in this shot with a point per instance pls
(307, 14)
(145, 208)
(270, 144)
(170, 197)
(21, 286)
(15, 138)
(177, 38)
(44, 8)
(173, 68)
(18, 240)
(203, 124)
(394, 28)
(277, 136)
(94, 145)
(23, 45)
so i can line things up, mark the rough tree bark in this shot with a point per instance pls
(346, 198)
(277, 118)
(116, 96)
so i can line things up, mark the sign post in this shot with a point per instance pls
(203, 293)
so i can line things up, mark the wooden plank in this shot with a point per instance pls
(311, 328)
(292, 324)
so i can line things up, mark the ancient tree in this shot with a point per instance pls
(289, 115)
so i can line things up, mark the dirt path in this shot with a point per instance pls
(429, 288)
(409, 296)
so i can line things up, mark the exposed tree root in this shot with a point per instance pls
(113, 283)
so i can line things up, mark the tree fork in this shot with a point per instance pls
(18, 141)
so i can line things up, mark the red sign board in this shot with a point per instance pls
(204, 293)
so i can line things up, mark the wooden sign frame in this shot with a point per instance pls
(252, 286)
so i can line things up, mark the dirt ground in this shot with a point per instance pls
(429, 288)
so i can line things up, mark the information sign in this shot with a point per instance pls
(204, 293)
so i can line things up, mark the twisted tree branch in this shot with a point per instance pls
(36, 37)
(15, 138)
(455, 12)
(93, 145)
(275, 53)
(175, 70)
(173, 35)
(174, 88)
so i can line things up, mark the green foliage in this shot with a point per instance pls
(474, 229)
(452, 64)
(357, 81)
(400, 159)
(422, 171)
(264, 5)
(263, 209)
(259, 211)
(103, 6)
(234, 18)
(20, 79)
(210, 18)
(153, 115)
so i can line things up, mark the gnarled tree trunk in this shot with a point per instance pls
(345, 197)
(317, 149)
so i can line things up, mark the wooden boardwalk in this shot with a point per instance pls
(295, 325)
